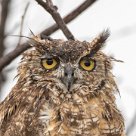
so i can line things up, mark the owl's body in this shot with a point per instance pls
(65, 88)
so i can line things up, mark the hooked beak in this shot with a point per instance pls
(68, 78)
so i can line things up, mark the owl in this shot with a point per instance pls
(64, 88)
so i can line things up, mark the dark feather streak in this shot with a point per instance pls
(99, 41)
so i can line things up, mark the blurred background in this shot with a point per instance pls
(117, 15)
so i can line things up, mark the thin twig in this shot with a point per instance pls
(49, 7)
(22, 22)
(132, 125)
(4, 61)
(7, 59)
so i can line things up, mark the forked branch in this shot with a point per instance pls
(49, 7)
(71, 16)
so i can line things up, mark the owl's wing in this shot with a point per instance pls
(19, 112)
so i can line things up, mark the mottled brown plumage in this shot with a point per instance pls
(74, 98)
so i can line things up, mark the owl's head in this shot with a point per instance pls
(68, 65)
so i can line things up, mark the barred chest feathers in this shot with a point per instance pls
(75, 115)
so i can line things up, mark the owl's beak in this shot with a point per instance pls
(68, 78)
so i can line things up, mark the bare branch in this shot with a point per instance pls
(71, 16)
(3, 18)
(4, 61)
(22, 22)
(7, 59)
(131, 126)
(49, 7)
(4, 14)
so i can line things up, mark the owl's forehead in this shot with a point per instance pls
(67, 50)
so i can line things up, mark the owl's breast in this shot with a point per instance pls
(72, 118)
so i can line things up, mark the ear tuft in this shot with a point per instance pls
(99, 41)
(104, 36)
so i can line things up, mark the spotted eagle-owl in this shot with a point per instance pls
(64, 88)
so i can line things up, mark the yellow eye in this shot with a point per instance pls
(87, 64)
(49, 63)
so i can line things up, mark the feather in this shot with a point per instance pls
(99, 41)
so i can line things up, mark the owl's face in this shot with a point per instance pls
(70, 66)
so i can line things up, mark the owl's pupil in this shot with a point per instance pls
(87, 63)
(49, 61)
